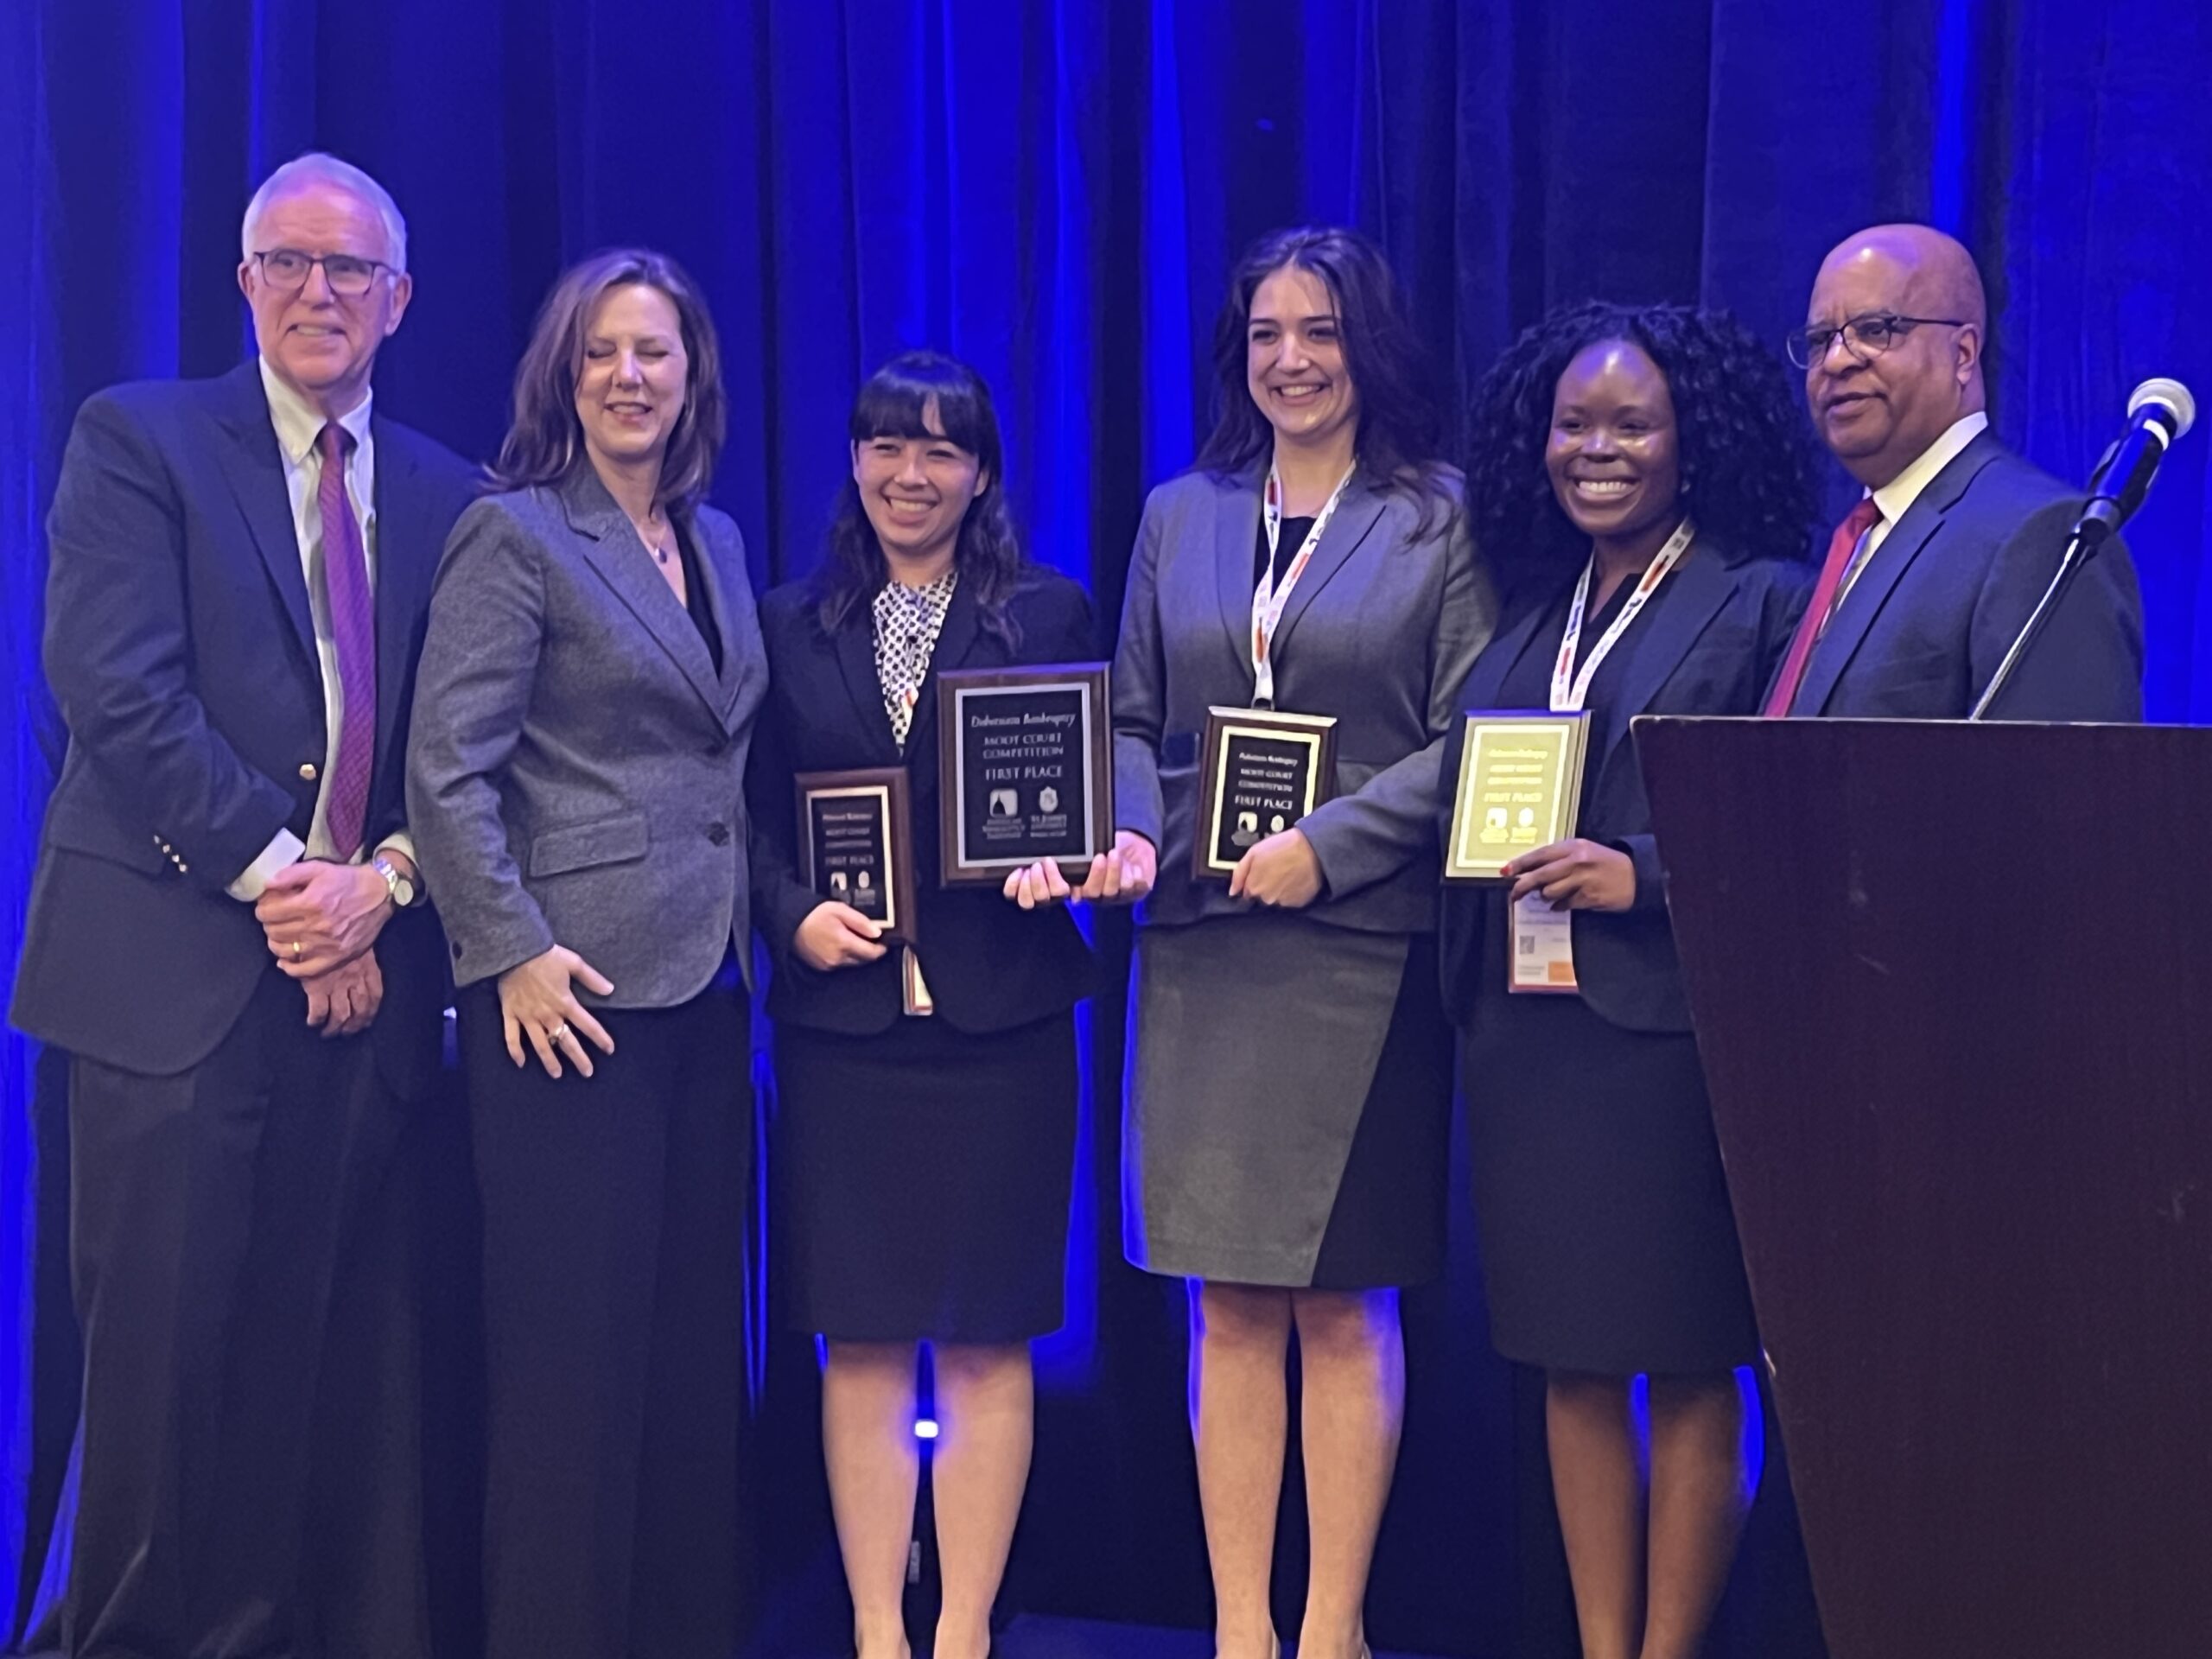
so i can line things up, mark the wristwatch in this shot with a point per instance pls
(401, 890)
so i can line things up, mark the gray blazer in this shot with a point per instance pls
(1380, 631)
(575, 773)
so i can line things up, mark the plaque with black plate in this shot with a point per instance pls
(1025, 770)
(1262, 770)
(857, 844)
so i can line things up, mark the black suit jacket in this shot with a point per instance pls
(180, 649)
(1710, 648)
(991, 965)
(1922, 631)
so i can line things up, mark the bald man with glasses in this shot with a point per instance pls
(1933, 575)
(227, 934)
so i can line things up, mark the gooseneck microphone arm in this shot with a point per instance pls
(2158, 412)
(2079, 552)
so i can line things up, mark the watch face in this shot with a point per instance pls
(402, 890)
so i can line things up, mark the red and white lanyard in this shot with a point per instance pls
(1571, 687)
(1269, 597)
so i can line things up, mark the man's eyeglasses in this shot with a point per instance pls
(288, 268)
(1864, 337)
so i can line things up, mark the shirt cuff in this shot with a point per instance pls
(283, 849)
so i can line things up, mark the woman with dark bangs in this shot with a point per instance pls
(1289, 1108)
(925, 1134)
(1642, 475)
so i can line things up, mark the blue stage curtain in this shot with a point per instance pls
(1054, 188)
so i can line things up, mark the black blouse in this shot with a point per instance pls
(695, 599)
(1294, 532)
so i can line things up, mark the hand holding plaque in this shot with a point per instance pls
(1520, 788)
(1263, 771)
(1026, 770)
(856, 844)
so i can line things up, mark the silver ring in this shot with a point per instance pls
(558, 1035)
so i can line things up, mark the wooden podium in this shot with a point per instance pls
(1953, 985)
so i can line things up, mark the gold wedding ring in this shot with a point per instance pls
(298, 950)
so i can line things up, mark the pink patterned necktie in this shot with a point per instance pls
(353, 635)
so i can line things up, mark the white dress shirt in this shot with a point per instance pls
(297, 427)
(1896, 498)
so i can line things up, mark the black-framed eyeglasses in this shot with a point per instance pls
(1864, 337)
(288, 268)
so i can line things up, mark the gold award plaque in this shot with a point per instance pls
(1520, 788)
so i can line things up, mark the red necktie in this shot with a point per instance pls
(354, 637)
(1814, 622)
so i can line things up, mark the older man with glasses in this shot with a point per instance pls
(228, 936)
(1933, 575)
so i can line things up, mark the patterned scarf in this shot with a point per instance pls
(907, 622)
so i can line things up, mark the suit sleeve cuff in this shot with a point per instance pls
(283, 849)
(1650, 879)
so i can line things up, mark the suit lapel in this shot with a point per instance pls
(717, 572)
(612, 548)
(1486, 681)
(407, 553)
(854, 645)
(254, 469)
(1855, 615)
(1658, 643)
(1236, 533)
(1354, 516)
(956, 642)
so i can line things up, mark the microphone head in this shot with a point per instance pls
(2170, 395)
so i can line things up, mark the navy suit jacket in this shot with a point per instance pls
(1922, 631)
(1710, 648)
(991, 965)
(181, 652)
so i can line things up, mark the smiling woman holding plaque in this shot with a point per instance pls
(1290, 1102)
(1648, 470)
(924, 1139)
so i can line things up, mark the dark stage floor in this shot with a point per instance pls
(1082, 1638)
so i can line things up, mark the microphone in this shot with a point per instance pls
(2158, 411)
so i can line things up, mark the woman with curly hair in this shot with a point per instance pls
(1640, 476)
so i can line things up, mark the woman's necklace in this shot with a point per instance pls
(654, 533)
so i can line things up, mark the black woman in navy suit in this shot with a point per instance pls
(1641, 479)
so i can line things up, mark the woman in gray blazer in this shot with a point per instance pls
(1288, 1125)
(587, 696)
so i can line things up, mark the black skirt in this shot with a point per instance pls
(1608, 1242)
(920, 1181)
